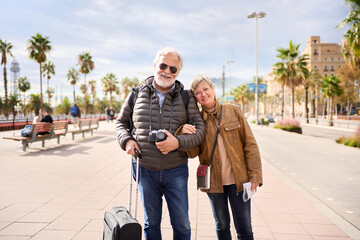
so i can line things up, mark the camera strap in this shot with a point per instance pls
(171, 113)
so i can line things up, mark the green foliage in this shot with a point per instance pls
(288, 124)
(64, 107)
(351, 141)
(37, 48)
(109, 83)
(331, 86)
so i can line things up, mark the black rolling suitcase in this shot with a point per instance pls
(118, 222)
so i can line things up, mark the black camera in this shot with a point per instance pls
(157, 135)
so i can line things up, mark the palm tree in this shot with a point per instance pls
(48, 68)
(281, 73)
(331, 88)
(86, 66)
(73, 77)
(127, 85)
(23, 85)
(317, 81)
(5, 49)
(64, 107)
(241, 95)
(307, 81)
(293, 63)
(13, 101)
(34, 104)
(109, 83)
(92, 84)
(351, 42)
(38, 47)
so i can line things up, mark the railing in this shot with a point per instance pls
(349, 124)
(21, 121)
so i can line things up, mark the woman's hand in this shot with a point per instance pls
(254, 186)
(188, 129)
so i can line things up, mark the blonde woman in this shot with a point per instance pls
(236, 160)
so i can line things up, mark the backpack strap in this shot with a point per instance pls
(185, 97)
(132, 99)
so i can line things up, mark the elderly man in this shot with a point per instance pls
(159, 110)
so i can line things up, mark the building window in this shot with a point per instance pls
(315, 52)
(315, 59)
(332, 59)
(325, 69)
(332, 74)
(325, 59)
(315, 67)
(325, 74)
(332, 68)
(339, 59)
(339, 67)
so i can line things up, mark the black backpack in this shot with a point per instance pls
(133, 96)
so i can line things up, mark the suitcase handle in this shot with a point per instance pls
(136, 158)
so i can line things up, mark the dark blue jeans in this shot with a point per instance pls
(240, 210)
(173, 184)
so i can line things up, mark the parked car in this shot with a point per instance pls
(270, 118)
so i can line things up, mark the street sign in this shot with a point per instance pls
(261, 88)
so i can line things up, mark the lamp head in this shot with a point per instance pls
(252, 15)
(261, 15)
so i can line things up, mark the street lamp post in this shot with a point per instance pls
(228, 62)
(256, 16)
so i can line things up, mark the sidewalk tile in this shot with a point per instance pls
(54, 235)
(27, 229)
(279, 236)
(68, 224)
(324, 230)
(291, 228)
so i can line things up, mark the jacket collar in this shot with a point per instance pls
(206, 114)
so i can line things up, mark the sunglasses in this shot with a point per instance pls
(164, 66)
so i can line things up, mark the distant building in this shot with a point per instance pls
(327, 58)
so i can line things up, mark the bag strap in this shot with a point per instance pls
(217, 133)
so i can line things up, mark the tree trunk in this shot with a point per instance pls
(330, 109)
(316, 107)
(110, 98)
(74, 92)
(293, 102)
(5, 85)
(41, 94)
(283, 102)
(306, 105)
(85, 103)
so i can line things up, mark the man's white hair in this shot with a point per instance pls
(167, 50)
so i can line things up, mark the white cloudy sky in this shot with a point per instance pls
(123, 36)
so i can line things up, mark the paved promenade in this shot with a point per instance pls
(62, 191)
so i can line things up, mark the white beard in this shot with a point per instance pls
(164, 83)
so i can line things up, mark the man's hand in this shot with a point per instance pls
(171, 143)
(130, 147)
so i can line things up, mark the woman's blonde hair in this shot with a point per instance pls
(199, 79)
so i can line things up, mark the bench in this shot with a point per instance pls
(42, 131)
(85, 125)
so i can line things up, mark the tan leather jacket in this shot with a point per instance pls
(240, 145)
